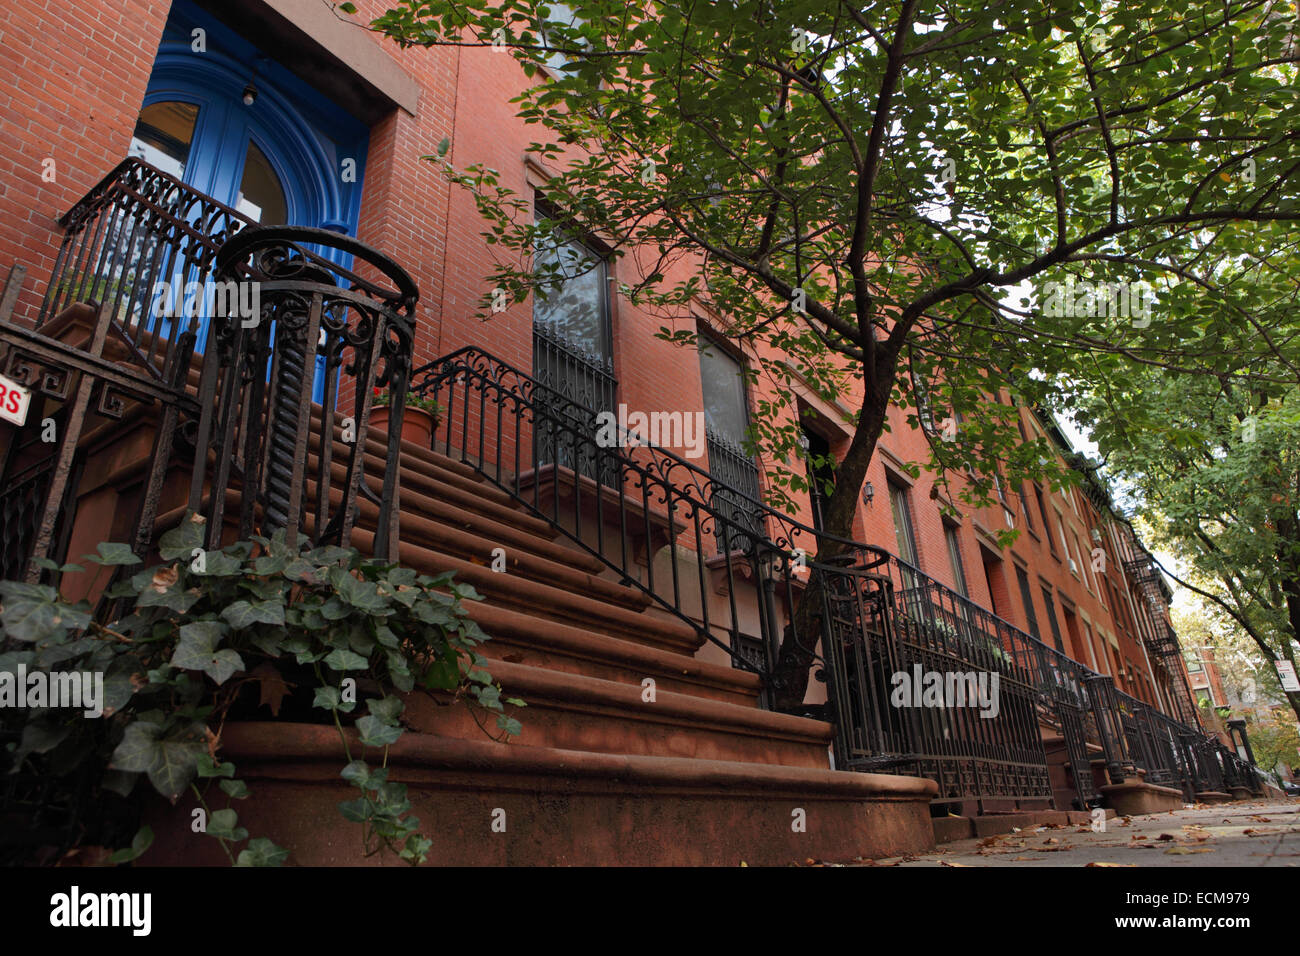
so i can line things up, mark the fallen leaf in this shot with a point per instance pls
(164, 578)
(272, 687)
(1103, 863)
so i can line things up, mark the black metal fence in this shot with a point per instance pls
(173, 283)
(879, 627)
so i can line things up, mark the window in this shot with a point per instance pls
(1024, 507)
(1027, 595)
(163, 136)
(903, 532)
(726, 423)
(261, 196)
(954, 556)
(723, 381)
(573, 309)
(1194, 665)
(1047, 522)
(1051, 619)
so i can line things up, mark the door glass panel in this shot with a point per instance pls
(163, 135)
(261, 196)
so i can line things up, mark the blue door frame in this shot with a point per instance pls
(316, 149)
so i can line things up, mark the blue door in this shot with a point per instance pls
(226, 119)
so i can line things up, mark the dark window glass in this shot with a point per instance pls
(954, 555)
(723, 381)
(261, 196)
(1027, 595)
(163, 135)
(573, 308)
(903, 532)
(1047, 522)
(1051, 620)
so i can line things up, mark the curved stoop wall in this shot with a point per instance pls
(561, 808)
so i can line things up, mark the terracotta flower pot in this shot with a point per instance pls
(417, 424)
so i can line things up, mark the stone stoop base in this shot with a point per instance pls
(1134, 797)
(558, 808)
(948, 829)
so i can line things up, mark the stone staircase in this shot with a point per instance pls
(604, 772)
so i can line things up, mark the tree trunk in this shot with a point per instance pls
(796, 655)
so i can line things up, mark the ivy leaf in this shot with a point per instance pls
(262, 852)
(224, 825)
(141, 842)
(345, 660)
(243, 614)
(28, 612)
(376, 733)
(111, 555)
(235, 789)
(386, 709)
(170, 761)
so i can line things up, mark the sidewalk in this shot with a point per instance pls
(1253, 833)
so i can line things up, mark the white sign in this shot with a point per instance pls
(1286, 673)
(14, 400)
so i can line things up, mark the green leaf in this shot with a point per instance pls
(243, 614)
(326, 698)
(180, 542)
(113, 554)
(26, 616)
(345, 660)
(224, 825)
(375, 733)
(235, 789)
(387, 709)
(260, 850)
(141, 842)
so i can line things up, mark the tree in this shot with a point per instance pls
(858, 188)
(1215, 471)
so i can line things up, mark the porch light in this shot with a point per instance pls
(868, 492)
(250, 94)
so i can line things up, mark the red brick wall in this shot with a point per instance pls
(76, 78)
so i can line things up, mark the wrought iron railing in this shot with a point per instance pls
(258, 380)
(144, 245)
(892, 630)
(265, 308)
(732, 468)
(877, 617)
(608, 496)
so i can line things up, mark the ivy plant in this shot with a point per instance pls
(320, 633)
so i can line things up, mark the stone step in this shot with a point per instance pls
(557, 807)
(575, 712)
(543, 600)
(521, 638)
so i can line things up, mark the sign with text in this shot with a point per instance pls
(1286, 673)
(14, 401)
